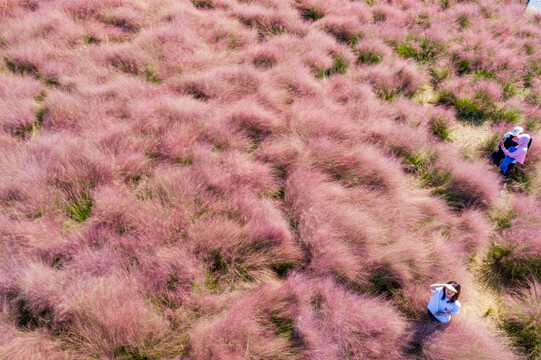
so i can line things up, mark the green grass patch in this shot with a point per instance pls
(510, 89)
(282, 268)
(150, 75)
(340, 66)
(525, 331)
(440, 128)
(502, 219)
(90, 40)
(463, 21)
(423, 20)
(28, 318)
(383, 281)
(443, 186)
(122, 352)
(484, 74)
(415, 163)
(222, 272)
(79, 208)
(22, 67)
(369, 57)
(310, 14)
(424, 51)
(203, 4)
(283, 325)
(471, 111)
(504, 263)
(264, 62)
(438, 74)
(478, 109)
(379, 16)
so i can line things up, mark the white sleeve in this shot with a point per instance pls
(508, 135)
(456, 308)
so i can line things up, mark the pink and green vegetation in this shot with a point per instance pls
(266, 179)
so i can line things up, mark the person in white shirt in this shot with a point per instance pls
(445, 302)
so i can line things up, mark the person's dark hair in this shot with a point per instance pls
(456, 295)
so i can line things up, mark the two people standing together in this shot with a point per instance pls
(512, 148)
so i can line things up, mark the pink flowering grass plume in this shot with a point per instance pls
(333, 322)
(313, 317)
(388, 14)
(18, 345)
(105, 314)
(20, 100)
(462, 187)
(516, 261)
(264, 179)
(309, 120)
(464, 338)
(394, 79)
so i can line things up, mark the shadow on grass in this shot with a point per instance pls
(422, 330)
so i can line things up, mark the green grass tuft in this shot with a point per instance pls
(203, 4)
(463, 21)
(79, 208)
(150, 75)
(340, 67)
(369, 57)
(424, 51)
(310, 14)
(504, 263)
(440, 128)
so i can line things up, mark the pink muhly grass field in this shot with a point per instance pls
(222, 179)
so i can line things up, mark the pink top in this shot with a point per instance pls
(522, 148)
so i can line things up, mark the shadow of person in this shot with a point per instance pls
(422, 330)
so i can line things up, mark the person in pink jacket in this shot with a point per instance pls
(515, 154)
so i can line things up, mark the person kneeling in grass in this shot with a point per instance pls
(515, 154)
(445, 302)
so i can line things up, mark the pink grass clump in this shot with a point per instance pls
(313, 318)
(169, 274)
(389, 15)
(473, 230)
(363, 165)
(105, 314)
(465, 339)
(477, 187)
(269, 21)
(344, 29)
(334, 323)
(18, 103)
(372, 51)
(255, 122)
(71, 166)
(309, 120)
(19, 344)
(24, 189)
(248, 327)
(519, 260)
(392, 80)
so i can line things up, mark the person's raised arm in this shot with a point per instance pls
(435, 286)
